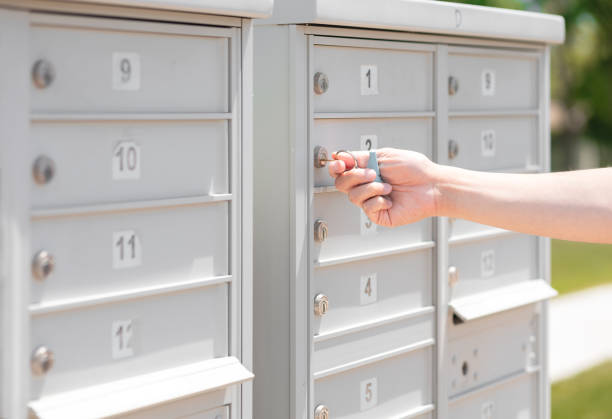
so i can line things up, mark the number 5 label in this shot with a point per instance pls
(369, 393)
(126, 71)
(369, 80)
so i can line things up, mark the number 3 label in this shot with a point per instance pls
(369, 393)
(369, 80)
(126, 71)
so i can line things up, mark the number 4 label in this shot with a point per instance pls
(369, 80)
(369, 289)
(369, 393)
(126, 71)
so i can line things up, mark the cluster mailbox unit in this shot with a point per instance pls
(442, 318)
(125, 147)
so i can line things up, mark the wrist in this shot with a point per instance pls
(445, 181)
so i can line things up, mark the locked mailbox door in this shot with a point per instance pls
(440, 318)
(126, 207)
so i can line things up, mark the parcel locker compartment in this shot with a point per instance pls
(395, 387)
(98, 162)
(493, 143)
(373, 77)
(489, 349)
(367, 134)
(101, 65)
(350, 233)
(183, 409)
(373, 290)
(486, 264)
(343, 349)
(486, 79)
(110, 342)
(122, 252)
(515, 398)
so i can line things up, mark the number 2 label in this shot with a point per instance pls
(367, 226)
(126, 71)
(369, 80)
(369, 142)
(369, 393)
(127, 252)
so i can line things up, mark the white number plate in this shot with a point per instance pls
(488, 82)
(369, 393)
(126, 71)
(367, 226)
(126, 161)
(487, 263)
(369, 142)
(369, 289)
(369, 80)
(121, 338)
(487, 143)
(127, 251)
(487, 410)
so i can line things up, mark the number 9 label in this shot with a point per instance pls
(126, 71)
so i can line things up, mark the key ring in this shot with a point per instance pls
(350, 154)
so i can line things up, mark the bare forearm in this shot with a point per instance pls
(567, 205)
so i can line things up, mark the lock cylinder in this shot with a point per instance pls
(321, 83)
(43, 74)
(321, 412)
(453, 275)
(453, 86)
(43, 170)
(42, 360)
(453, 149)
(320, 157)
(321, 304)
(43, 264)
(320, 231)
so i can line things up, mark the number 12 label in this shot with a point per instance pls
(126, 71)
(369, 80)
(121, 339)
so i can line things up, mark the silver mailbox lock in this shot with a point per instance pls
(321, 83)
(321, 304)
(43, 170)
(42, 264)
(321, 412)
(320, 157)
(43, 73)
(320, 231)
(453, 275)
(42, 360)
(453, 86)
(453, 149)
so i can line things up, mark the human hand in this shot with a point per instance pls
(407, 195)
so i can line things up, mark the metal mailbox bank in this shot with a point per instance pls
(125, 205)
(439, 319)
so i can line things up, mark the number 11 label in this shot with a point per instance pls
(127, 252)
(369, 80)
(126, 71)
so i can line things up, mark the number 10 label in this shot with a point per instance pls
(126, 71)
(369, 80)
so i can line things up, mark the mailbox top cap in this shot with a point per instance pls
(239, 8)
(424, 16)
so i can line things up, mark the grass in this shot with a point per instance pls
(585, 396)
(576, 266)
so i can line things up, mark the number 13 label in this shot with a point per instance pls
(126, 71)
(369, 80)
(369, 393)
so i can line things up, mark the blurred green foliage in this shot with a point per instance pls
(581, 75)
(576, 266)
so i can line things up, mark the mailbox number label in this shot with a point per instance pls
(121, 339)
(369, 80)
(369, 289)
(126, 161)
(488, 82)
(487, 143)
(127, 252)
(367, 226)
(487, 410)
(126, 71)
(487, 263)
(369, 142)
(369, 393)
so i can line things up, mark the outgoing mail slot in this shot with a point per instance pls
(515, 397)
(486, 264)
(113, 66)
(176, 409)
(114, 162)
(489, 349)
(484, 79)
(373, 77)
(396, 387)
(368, 134)
(109, 342)
(120, 252)
(373, 289)
(495, 143)
(350, 234)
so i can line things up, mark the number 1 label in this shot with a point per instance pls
(369, 80)
(369, 393)
(126, 71)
